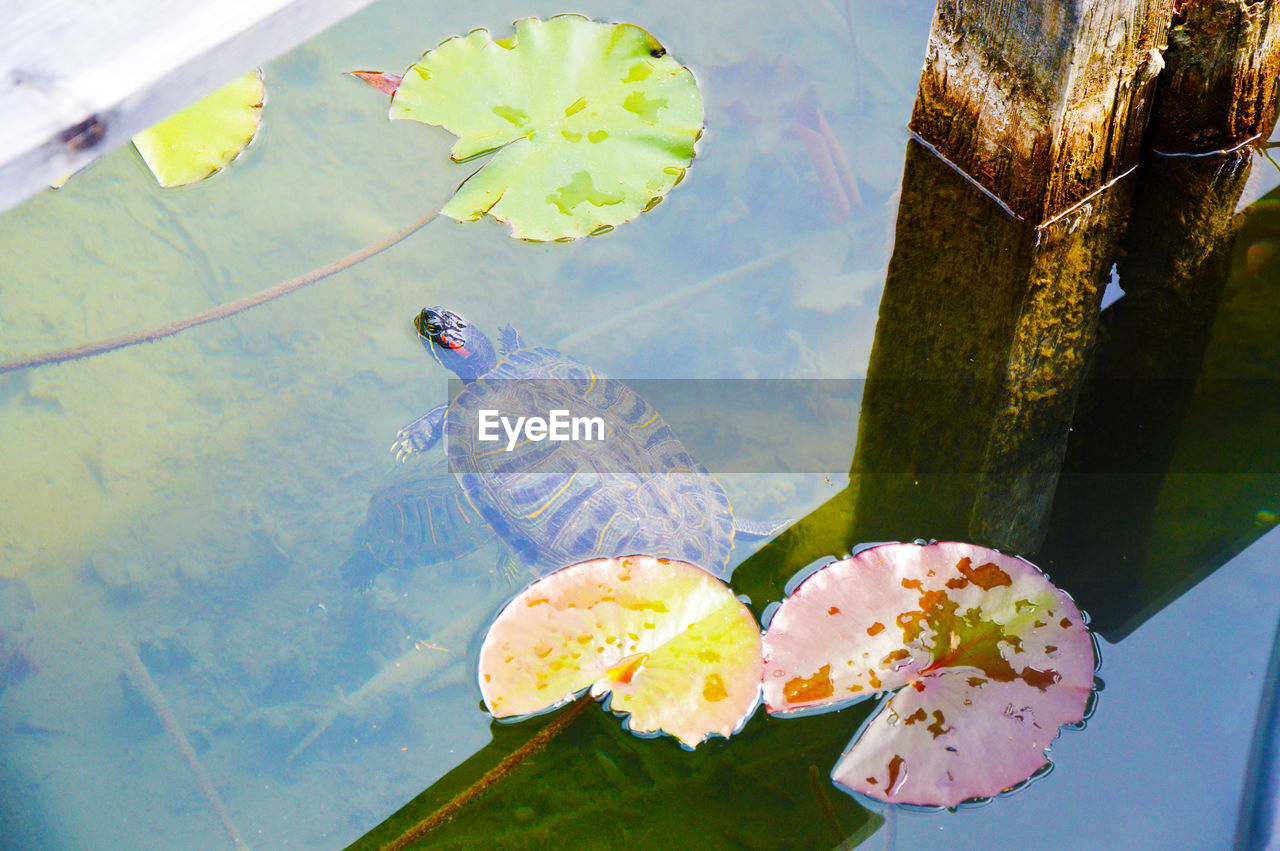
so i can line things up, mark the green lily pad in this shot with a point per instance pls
(592, 124)
(198, 141)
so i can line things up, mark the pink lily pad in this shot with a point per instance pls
(677, 652)
(986, 657)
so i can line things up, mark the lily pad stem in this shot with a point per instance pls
(222, 311)
(656, 305)
(819, 786)
(491, 777)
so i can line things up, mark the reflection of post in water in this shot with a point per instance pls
(1217, 93)
(989, 311)
(983, 336)
(988, 323)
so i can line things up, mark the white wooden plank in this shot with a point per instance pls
(80, 77)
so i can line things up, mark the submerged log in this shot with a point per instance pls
(137, 675)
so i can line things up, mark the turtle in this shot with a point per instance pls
(555, 503)
(420, 519)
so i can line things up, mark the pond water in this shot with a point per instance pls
(178, 512)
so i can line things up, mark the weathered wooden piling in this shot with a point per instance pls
(1223, 68)
(1041, 102)
(1217, 95)
(1000, 260)
(982, 336)
(1125, 537)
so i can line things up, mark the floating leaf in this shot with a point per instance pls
(383, 82)
(592, 123)
(204, 137)
(988, 658)
(678, 652)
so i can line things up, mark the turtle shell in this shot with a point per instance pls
(558, 502)
(421, 519)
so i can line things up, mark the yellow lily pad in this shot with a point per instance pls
(201, 139)
(670, 644)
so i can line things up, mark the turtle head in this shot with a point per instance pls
(457, 344)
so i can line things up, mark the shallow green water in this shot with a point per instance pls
(193, 499)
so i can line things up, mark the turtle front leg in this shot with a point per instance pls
(421, 434)
(511, 340)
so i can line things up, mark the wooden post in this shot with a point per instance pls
(1218, 93)
(1220, 89)
(1041, 101)
(988, 315)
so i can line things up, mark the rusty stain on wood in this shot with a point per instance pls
(1041, 102)
(1219, 86)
